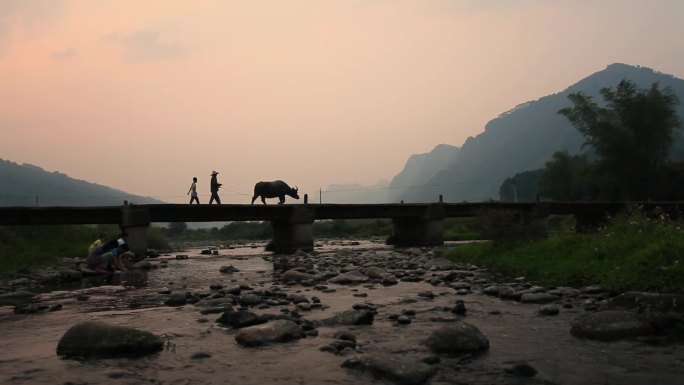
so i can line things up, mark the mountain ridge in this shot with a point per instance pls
(30, 185)
(524, 138)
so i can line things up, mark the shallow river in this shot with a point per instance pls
(515, 331)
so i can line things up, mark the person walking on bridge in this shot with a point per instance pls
(215, 185)
(193, 190)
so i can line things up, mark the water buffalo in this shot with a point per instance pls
(277, 188)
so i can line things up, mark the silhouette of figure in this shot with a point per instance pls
(193, 191)
(214, 185)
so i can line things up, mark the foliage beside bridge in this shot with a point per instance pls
(632, 252)
(454, 229)
(33, 247)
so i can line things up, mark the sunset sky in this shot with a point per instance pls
(143, 95)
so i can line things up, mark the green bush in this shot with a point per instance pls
(24, 247)
(156, 238)
(633, 252)
(502, 226)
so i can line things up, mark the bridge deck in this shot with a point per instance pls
(229, 212)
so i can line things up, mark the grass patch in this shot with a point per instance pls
(35, 247)
(633, 252)
(31, 247)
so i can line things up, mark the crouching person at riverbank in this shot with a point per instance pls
(103, 259)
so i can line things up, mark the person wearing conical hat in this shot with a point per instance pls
(214, 186)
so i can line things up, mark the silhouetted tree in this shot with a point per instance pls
(566, 177)
(526, 187)
(632, 136)
(175, 229)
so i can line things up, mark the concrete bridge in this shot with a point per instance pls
(414, 224)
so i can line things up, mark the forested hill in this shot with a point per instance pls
(525, 138)
(23, 183)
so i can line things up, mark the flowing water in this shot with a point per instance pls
(515, 331)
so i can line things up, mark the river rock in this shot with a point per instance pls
(565, 292)
(250, 299)
(275, 331)
(99, 339)
(70, 275)
(375, 272)
(240, 319)
(176, 298)
(458, 337)
(491, 290)
(16, 298)
(225, 302)
(610, 325)
(538, 298)
(350, 317)
(349, 278)
(643, 301)
(228, 269)
(521, 369)
(296, 276)
(548, 310)
(507, 292)
(401, 370)
(439, 264)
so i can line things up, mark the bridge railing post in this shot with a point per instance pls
(427, 229)
(134, 221)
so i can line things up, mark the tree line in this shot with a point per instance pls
(628, 142)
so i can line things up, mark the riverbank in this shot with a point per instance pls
(631, 253)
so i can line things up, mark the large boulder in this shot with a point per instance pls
(458, 337)
(401, 370)
(275, 331)
(99, 339)
(611, 325)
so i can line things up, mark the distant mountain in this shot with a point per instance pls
(523, 139)
(419, 169)
(29, 185)
(353, 193)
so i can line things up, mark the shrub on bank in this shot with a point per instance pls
(32, 247)
(632, 252)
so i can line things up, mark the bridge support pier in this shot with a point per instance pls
(135, 220)
(425, 230)
(295, 233)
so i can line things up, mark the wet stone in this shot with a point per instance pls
(270, 332)
(521, 369)
(98, 339)
(176, 299)
(350, 317)
(200, 355)
(459, 337)
(548, 310)
(538, 298)
(402, 370)
(611, 325)
(459, 308)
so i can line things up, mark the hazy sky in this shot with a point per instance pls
(144, 95)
